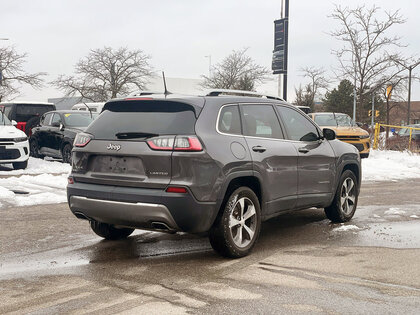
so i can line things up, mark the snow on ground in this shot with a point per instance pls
(390, 165)
(42, 182)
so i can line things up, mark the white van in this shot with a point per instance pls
(94, 107)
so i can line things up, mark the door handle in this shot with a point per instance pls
(258, 148)
(303, 150)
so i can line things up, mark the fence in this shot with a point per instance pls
(377, 134)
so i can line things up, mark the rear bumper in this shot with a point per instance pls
(141, 208)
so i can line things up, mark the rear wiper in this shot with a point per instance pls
(135, 135)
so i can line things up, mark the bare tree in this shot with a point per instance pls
(317, 82)
(366, 56)
(13, 75)
(237, 71)
(304, 96)
(107, 73)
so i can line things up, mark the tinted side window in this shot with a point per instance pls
(298, 126)
(56, 119)
(229, 120)
(45, 121)
(261, 121)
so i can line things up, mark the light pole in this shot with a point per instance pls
(209, 56)
(410, 70)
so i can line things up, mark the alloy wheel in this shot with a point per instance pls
(243, 222)
(348, 196)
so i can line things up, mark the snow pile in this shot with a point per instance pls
(39, 189)
(344, 228)
(394, 211)
(37, 166)
(42, 182)
(389, 165)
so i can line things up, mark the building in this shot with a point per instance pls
(398, 113)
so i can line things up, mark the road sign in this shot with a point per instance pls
(279, 63)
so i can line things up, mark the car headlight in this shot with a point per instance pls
(20, 139)
(364, 137)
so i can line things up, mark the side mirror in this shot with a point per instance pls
(61, 127)
(14, 123)
(55, 124)
(329, 134)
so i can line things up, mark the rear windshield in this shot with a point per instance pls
(24, 112)
(144, 117)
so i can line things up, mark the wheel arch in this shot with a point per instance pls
(245, 178)
(355, 168)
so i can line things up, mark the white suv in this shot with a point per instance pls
(14, 144)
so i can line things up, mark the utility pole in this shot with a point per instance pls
(279, 63)
(280, 82)
(410, 69)
(354, 97)
(286, 16)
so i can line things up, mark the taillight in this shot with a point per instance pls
(161, 143)
(187, 144)
(178, 143)
(82, 139)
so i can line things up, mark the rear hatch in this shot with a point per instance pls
(132, 141)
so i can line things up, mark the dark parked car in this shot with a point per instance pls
(400, 140)
(56, 132)
(216, 164)
(26, 114)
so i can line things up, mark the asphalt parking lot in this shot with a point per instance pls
(52, 263)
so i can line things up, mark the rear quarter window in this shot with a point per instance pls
(229, 120)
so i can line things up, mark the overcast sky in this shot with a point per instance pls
(179, 34)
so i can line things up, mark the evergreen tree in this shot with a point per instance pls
(340, 99)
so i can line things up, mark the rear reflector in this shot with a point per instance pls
(70, 180)
(174, 189)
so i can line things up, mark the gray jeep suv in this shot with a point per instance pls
(220, 164)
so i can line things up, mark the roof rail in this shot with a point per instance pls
(241, 93)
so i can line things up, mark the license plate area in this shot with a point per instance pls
(108, 164)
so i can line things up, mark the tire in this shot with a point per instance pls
(66, 153)
(230, 234)
(109, 232)
(20, 165)
(34, 149)
(364, 155)
(345, 200)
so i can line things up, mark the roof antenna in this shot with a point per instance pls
(164, 85)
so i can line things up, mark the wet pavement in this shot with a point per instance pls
(52, 263)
